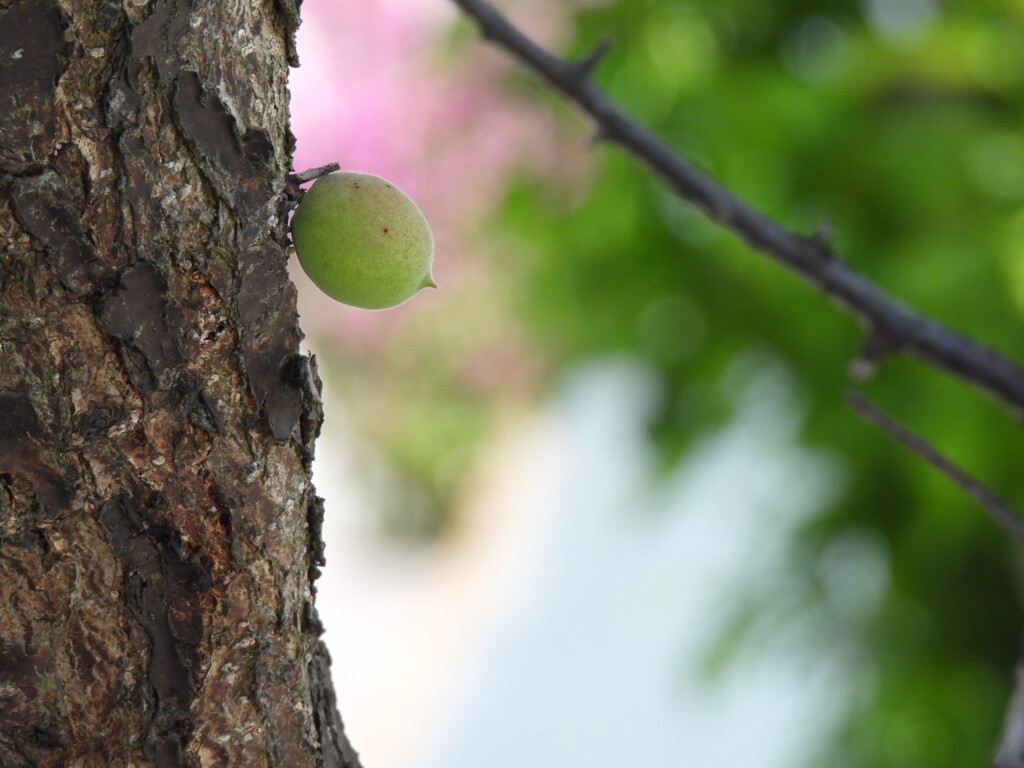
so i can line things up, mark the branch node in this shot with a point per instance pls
(862, 369)
(878, 345)
(582, 70)
(1001, 512)
(820, 242)
(599, 136)
(823, 234)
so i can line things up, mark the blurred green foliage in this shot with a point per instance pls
(899, 123)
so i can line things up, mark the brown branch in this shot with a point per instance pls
(891, 326)
(998, 510)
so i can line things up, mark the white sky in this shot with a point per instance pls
(566, 622)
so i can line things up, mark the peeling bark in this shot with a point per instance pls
(159, 534)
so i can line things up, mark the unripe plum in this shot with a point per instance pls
(362, 241)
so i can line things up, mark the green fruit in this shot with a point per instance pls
(363, 241)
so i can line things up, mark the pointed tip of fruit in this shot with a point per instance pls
(428, 282)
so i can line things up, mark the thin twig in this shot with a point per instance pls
(904, 330)
(999, 510)
(292, 184)
(1010, 749)
(311, 174)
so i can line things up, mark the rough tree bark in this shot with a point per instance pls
(159, 535)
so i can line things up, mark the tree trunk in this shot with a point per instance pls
(159, 535)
